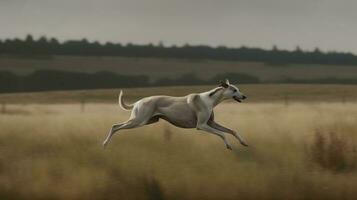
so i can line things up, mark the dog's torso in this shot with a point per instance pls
(179, 111)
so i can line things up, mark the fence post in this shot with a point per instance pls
(83, 103)
(167, 134)
(3, 107)
(286, 100)
(343, 98)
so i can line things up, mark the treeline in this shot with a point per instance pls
(45, 80)
(51, 46)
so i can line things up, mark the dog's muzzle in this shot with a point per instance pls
(239, 99)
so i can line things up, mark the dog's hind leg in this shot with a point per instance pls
(152, 120)
(227, 130)
(131, 123)
(111, 132)
(140, 115)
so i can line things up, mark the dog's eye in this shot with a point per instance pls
(235, 90)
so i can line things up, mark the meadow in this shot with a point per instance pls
(256, 93)
(303, 149)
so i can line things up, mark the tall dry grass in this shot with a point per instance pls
(300, 151)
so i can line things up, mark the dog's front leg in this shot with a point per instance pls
(207, 128)
(203, 114)
(227, 130)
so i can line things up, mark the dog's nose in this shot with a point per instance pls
(244, 97)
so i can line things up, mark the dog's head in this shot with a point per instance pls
(231, 91)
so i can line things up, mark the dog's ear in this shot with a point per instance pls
(227, 82)
(223, 84)
(215, 91)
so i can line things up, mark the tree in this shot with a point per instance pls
(298, 49)
(29, 39)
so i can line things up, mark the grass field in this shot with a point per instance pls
(255, 92)
(306, 149)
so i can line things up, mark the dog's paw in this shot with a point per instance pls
(244, 144)
(229, 147)
(104, 144)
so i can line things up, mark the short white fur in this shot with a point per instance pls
(191, 111)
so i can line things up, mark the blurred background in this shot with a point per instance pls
(63, 63)
(81, 44)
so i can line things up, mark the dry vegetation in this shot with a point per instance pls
(297, 151)
(285, 93)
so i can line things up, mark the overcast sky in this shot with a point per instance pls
(327, 24)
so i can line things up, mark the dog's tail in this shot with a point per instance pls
(122, 104)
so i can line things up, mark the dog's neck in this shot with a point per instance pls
(213, 97)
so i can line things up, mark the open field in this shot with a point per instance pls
(303, 148)
(256, 93)
(297, 151)
(303, 145)
(172, 68)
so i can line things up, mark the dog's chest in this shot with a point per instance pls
(179, 115)
(181, 121)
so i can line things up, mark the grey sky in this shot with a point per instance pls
(328, 24)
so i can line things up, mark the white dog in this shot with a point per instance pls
(191, 111)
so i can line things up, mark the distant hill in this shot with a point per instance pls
(46, 64)
(48, 80)
(159, 68)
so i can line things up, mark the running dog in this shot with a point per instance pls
(191, 111)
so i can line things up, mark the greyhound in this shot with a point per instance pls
(191, 111)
